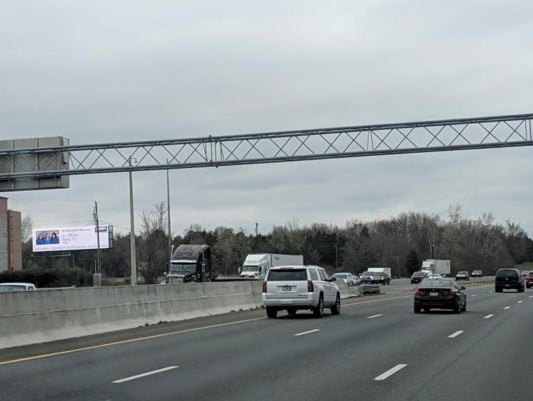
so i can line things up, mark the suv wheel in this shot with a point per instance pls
(319, 309)
(417, 309)
(271, 312)
(336, 309)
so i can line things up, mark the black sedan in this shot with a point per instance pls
(417, 277)
(439, 293)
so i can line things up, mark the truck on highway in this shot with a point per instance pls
(256, 265)
(190, 263)
(437, 266)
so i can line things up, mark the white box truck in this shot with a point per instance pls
(256, 265)
(439, 266)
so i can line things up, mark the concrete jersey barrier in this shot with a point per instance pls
(29, 317)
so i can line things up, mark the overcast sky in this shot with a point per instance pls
(109, 71)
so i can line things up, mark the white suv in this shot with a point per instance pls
(300, 287)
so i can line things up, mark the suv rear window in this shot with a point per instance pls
(287, 275)
(507, 273)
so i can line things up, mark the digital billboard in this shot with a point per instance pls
(71, 238)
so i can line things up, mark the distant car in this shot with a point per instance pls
(367, 278)
(417, 277)
(381, 278)
(7, 287)
(348, 278)
(508, 279)
(439, 293)
(529, 280)
(462, 275)
(476, 273)
(375, 278)
(292, 288)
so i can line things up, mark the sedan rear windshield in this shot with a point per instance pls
(435, 282)
(287, 275)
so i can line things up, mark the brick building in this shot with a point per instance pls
(10, 238)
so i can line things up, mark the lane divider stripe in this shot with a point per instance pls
(390, 372)
(457, 333)
(303, 333)
(139, 376)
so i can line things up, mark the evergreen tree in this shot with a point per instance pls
(413, 262)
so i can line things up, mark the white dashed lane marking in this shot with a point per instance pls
(374, 316)
(139, 376)
(303, 333)
(390, 372)
(457, 333)
(489, 316)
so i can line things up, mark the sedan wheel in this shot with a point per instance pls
(457, 307)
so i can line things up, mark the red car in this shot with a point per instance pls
(529, 280)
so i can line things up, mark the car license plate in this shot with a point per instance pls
(286, 288)
(433, 294)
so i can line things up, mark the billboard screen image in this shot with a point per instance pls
(71, 238)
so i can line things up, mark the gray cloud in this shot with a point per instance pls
(98, 72)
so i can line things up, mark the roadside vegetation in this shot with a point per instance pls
(400, 242)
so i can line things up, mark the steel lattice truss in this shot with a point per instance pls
(312, 144)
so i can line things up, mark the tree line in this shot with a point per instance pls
(401, 243)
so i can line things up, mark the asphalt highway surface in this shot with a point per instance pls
(376, 349)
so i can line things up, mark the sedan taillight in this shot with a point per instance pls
(310, 286)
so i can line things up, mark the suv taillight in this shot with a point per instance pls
(264, 286)
(310, 286)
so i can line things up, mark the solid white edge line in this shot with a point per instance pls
(507, 307)
(457, 333)
(390, 372)
(153, 372)
(489, 316)
(374, 316)
(303, 333)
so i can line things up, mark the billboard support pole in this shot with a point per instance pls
(97, 281)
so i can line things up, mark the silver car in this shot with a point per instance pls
(293, 288)
(348, 278)
(8, 287)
